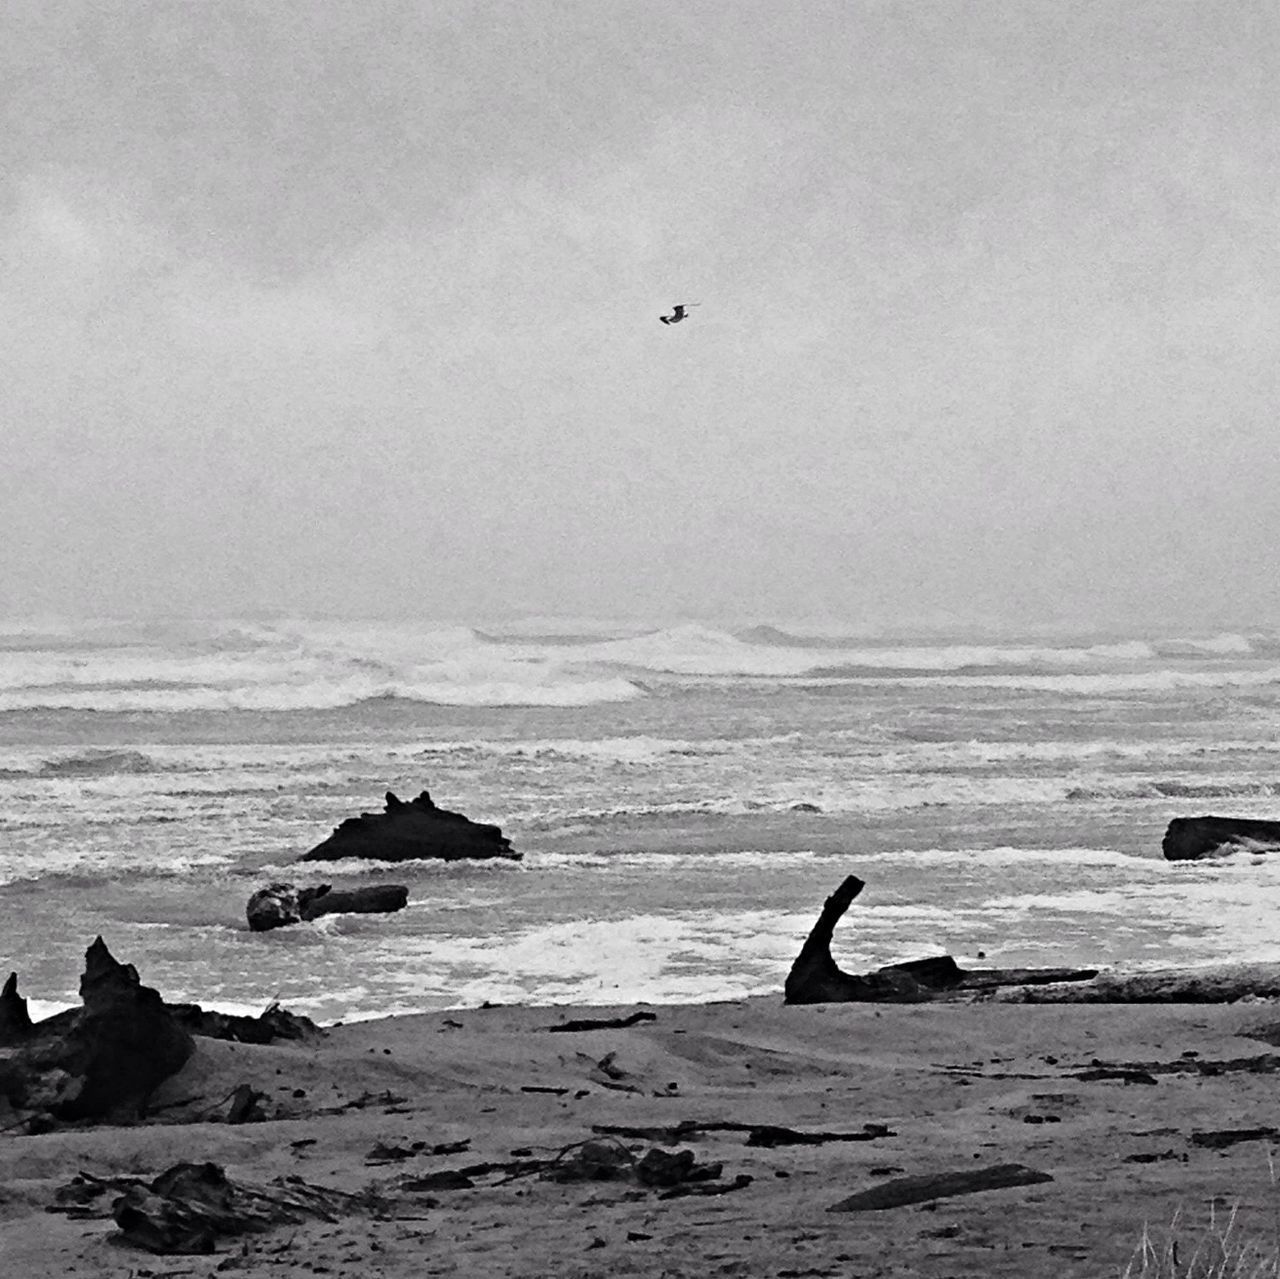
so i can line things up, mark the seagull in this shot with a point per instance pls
(678, 313)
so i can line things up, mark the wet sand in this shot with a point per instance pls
(959, 1087)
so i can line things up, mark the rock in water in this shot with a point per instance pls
(280, 904)
(408, 831)
(1191, 837)
(105, 1057)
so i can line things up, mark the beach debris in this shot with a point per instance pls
(15, 1020)
(392, 1103)
(740, 1182)
(385, 1153)
(1114, 1072)
(1189, 838)
(246, 1105)
(762, 1135)
(1262, 1064)
(188, 1207)
(611, 1160)
(85, 1196)
(446, 1179)
(815, 978)
(279, 905)
(1221, 1138)
(664, 1169)
(608, 1074)
(409, 830)
(105, 1057)
(606, 1023)
(902, 1191)
(592, 1161)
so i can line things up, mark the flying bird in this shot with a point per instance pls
(678, 313)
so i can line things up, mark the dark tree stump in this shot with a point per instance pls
(105, 1057)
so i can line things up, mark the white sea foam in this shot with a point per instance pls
(1010, 856)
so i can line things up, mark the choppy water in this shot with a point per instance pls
(998, 795)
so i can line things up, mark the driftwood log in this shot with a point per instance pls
(1189, 838)
(278, 905)
(913, 1190)
(815, 978)
(407, 831)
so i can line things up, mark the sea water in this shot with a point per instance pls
(684, 797)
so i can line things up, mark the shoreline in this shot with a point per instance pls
(955, 1086)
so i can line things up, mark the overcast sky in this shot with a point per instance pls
(353, 308)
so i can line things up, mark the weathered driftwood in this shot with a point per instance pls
(279, 905)
(913, 1190)
(1220, 984)
(815, 978)
(764, 1135)
(412, 830)
(1191, 837)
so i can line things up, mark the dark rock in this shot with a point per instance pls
(1191, 837)
(412, 830)
(105, 1057)
(280, 904)
(15, 1020)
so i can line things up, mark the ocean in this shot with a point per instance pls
(684, 797)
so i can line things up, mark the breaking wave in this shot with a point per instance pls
(305, 665)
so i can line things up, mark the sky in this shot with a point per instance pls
(351, 309)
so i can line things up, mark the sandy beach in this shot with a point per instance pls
(951, 1087)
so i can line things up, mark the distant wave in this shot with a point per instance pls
(96, 763)
(294, 665)
(1227, 645)
(285, 697)
(1174, 789)
(1099, 683)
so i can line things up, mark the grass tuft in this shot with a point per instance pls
(1222, 1250)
